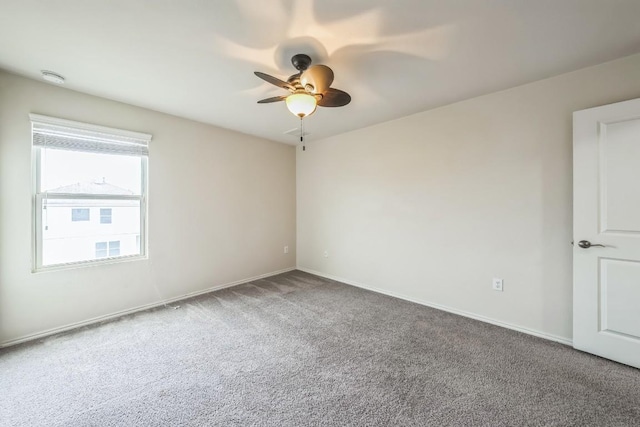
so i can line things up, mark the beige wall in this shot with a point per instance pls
(221, 208)
(433, 206)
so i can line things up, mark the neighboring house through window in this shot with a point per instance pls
(87, 176)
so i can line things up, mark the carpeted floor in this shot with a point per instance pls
(299, 350)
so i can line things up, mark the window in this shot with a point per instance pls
(85, 175)
(101, 249)
(114, 248)
(105, 216)
(108, 249)
(80, 214)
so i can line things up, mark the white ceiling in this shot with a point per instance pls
(195, 58)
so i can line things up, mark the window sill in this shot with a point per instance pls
(91, 263)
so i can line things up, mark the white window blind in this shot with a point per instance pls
(63, 134)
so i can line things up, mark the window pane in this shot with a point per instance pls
(101, 250)
(114, 248)
(65, 241)
(105, 216)
(80, 214)
(74, 172)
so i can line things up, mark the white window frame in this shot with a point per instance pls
(98, 139)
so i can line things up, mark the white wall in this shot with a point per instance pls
(221, 208)
(433, 206)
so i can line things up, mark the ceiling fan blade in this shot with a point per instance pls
(334, 98)
(317, 78)
(272, 99)
(274, 81)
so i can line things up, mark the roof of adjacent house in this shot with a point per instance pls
(92, 187)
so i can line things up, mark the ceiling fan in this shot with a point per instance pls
(308, 88)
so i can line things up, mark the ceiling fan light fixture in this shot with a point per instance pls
(301, 104)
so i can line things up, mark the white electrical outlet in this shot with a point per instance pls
(326, 254)
(497, 284)
(286, 249)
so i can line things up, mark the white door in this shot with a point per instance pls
(606, 211)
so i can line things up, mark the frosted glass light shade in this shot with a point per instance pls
(301, 104)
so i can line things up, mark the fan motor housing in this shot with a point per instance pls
(301, 61)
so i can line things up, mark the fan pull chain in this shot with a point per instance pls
(302, 134)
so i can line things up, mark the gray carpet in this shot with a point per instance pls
(299, 350)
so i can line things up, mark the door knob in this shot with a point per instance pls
(585, 244)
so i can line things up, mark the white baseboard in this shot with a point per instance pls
(99, 319)
(474, 316)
